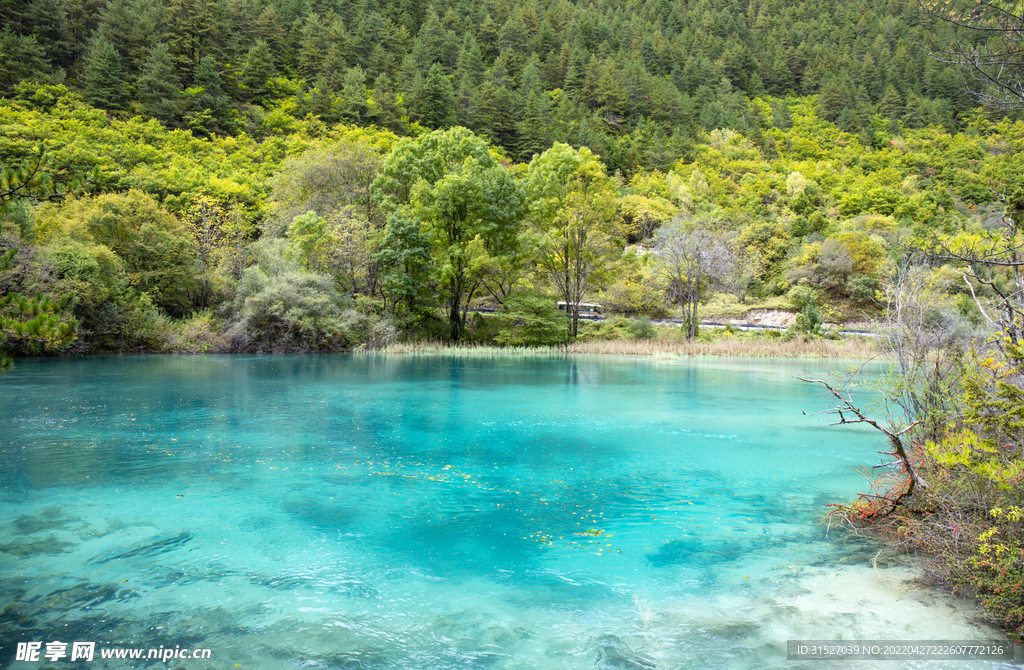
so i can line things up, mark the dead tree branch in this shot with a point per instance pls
(894, 436)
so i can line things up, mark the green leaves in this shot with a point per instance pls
(32, 324)
(465, 203)
(572, 207)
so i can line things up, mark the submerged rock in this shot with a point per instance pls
(693, 552)
(614, 654)
(162, 544)
(48, 545)
(50, 518)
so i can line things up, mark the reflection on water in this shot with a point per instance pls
(433, 512)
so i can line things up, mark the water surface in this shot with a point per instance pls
(436, 512)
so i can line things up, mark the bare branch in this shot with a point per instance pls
(894, 436)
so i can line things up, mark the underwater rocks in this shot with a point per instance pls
(162, 544)
(48, 545)
(693, 552)
(614, 654)
(50, 518)
(59, 610)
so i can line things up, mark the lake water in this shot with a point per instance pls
(433, 513)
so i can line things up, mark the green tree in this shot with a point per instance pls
(436, 102)
(257, 70)
(352, 97)
(103, 76)
(24, 60)
(30, 323)
(153, 245)
(207, 106)
(158, 91)
(470, 68)
(466, 204)
(386, 106)
(190, 27)
(572, 208)
(327, 180)
(404, 260)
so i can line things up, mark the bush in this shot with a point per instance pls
(804, 298)
(641, 329)
(613, 328)
(632, 297)
(133, 324)
(200, 333)
(862, 288)
(289, 312)
(531, 320)
(279, 307)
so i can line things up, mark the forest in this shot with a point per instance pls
(184, 176)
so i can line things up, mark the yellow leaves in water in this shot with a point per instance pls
(591, 532)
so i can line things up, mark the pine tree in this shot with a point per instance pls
(131, 28)
(338, 57)
(270, 28)
(321, 102)
(892, 105)
(437, 100)
(257, 70)
(467, 108)
(535, 128)
(312, 47)
(529, 81)
(576, 75)
(52, 30)
(352, 97)
(23, 58)
(387, 109)
(31, 324)
(103, 76)
(190, 26)
(158, 92)
(513, 42)
(209, 110)
(434, 44)
(487, 38)
(238, 27)
(470, 68)
(498, 114)
(545, 43)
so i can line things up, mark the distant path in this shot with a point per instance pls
(703, 324)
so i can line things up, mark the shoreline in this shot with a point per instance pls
(744, 346)
(729, 347)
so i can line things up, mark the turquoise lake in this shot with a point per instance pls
(440, 513)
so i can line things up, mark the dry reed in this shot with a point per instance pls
(753, 347)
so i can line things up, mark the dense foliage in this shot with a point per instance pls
(145, 227)
(635, 82)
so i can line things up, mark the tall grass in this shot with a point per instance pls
(469, 350)
(749, 347)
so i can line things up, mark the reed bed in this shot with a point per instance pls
(746, 347)
(753, 347)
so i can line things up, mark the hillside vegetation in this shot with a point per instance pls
(327, 237)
